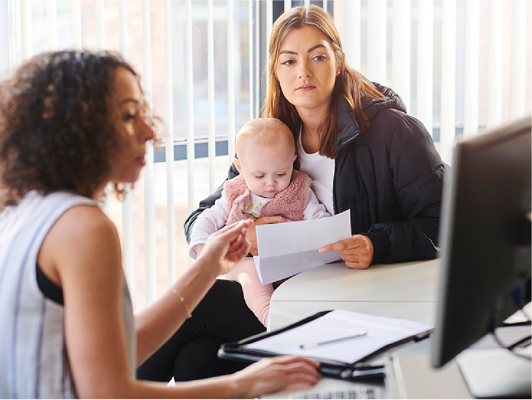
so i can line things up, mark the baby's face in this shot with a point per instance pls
(267, 169)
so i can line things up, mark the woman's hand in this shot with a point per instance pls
(227, 246)
(357, 251)
(252, 233)
(276, 374)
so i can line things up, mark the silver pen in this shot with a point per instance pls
(316, 344)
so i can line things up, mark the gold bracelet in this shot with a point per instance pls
(182, 301)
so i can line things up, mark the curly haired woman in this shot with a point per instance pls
(70, 123)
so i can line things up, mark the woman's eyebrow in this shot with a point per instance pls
(308, 51)
(128, 100)
(315, 47)
(287, 52)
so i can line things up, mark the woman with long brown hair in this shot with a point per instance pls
(356, 141)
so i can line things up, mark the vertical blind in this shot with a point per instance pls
(434, 53)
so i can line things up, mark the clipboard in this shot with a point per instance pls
(361, 369)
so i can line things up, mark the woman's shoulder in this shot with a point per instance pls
(80, 236)
(392, 121)
(81, 226)
(84, 219)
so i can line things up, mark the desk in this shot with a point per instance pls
(405, 290)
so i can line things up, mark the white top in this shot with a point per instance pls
(33, 361)
(214, 218)
(321, 171)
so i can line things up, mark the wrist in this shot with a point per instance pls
(196, 250)
(238, 386)
(210, 268)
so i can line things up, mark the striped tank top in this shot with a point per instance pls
(33, 356)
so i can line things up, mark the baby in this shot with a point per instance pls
(267, 186)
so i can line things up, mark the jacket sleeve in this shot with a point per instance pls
(418, 173)
(207, 203)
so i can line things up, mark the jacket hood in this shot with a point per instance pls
(346, 115)
(390, 100)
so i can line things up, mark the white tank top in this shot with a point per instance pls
(321, 171)
(33, 359)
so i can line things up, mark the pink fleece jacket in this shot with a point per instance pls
(290, 202)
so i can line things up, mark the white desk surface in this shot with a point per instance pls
(405, 290)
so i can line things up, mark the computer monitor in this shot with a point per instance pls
(485, 238)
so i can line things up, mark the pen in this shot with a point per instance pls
(316, 344)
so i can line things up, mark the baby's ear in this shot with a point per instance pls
(236, 161)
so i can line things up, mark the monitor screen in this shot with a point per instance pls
(485, 238)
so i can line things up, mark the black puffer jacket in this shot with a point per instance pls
(391, 177)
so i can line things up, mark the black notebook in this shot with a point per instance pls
(342, 341)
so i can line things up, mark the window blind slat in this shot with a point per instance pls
(377, 41)
(100, 24)
(495, 34)
(76, 24)
(349, 29)
(190, 107)
(471, 68)
(448, 80)
(122, 28)
(518, 59)
(51, 24)
(27, 43)
(401, 24)
(127, 204)
(213, 184)
(255, 44)
(169, 148)
(231, 81)
(425, 63)
(149, 204)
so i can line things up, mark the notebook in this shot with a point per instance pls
(342, 341)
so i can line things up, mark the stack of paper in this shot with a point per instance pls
(289, 248)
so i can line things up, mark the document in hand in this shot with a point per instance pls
(339, 335)
(289, 248)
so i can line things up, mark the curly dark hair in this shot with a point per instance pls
(57, 129)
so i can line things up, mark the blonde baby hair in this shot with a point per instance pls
(267, 132)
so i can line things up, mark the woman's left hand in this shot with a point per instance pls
(357, 251)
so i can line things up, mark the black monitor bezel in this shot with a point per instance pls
(478, 288)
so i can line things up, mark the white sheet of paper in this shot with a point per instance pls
(379, 332)
(290, 248)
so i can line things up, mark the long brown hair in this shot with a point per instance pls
(349, 83)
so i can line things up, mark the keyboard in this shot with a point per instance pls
(351, 393)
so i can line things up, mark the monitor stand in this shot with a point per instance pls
(496, 373)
